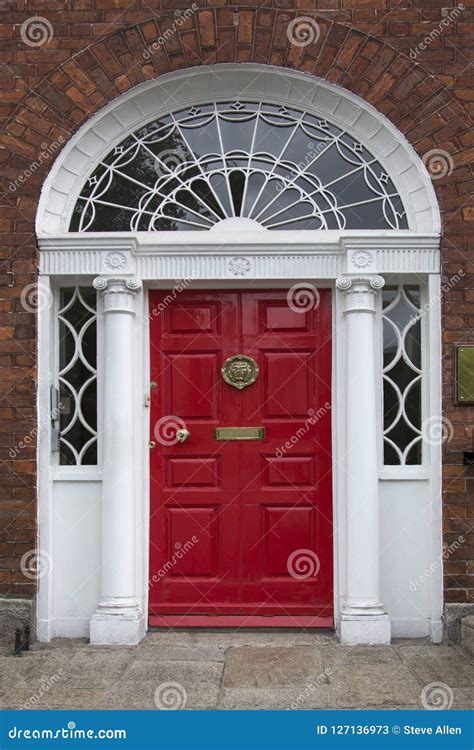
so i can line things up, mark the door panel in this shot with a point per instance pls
(235, 524)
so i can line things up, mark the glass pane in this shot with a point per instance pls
(77, 376)
(402, 383)
(390, 457)
(281, 167)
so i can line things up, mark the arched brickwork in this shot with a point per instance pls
(98, 51)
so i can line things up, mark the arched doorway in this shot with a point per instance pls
(280, 182)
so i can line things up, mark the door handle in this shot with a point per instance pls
(182, 435)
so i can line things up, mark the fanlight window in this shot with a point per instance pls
(279, 167)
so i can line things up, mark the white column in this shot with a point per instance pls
(363, 618)
(118, 618)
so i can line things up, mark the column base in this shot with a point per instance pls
(117, 629)
(364, 630)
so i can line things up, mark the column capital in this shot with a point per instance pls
(118, 292)
(359, 292)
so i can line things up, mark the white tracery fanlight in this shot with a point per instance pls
(265, 164)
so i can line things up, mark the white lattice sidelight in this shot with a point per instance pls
(77, 377)
(276, 166)
(402, 375)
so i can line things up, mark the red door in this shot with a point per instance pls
(240, 530)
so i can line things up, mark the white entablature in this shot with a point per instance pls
(288, 255)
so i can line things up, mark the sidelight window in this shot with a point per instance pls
(402, 380)
(77, 377)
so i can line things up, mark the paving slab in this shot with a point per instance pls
(160, 684)
(448, 664)
(193, 686)
(58, 697)
(430, 669)
(143, 698)
(189, 652)
(90, 669)
(407, 651)
(378, 684)
(24, 698)
(192, 671)
(272, 666)
(233, 670)
(334, 655)
(242, 637)
(281, 698)
(14, 671)
(463, 698)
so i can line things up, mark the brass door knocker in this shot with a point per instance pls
(240, 371)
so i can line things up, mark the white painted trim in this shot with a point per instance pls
(143, 462)
(434, 407)
(67, 627)
(338, 411)
(76, 474)
(289, 255)
(411, 628)
(389, 473)
(220, 82)
(44, 609)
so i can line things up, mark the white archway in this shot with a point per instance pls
(238, 252)
(218, 83)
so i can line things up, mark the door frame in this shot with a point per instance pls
(401, 257)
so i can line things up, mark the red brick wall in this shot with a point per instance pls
(96, 53)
